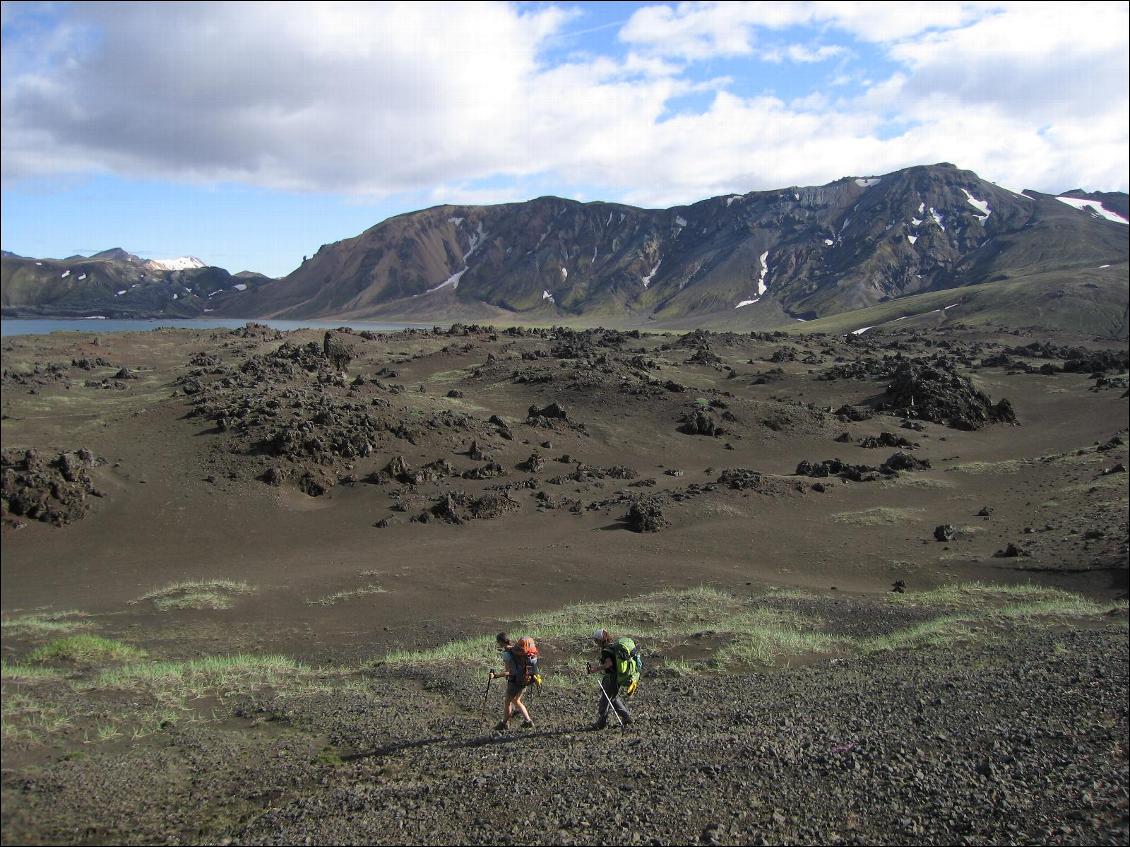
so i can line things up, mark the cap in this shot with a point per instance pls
(599, 635)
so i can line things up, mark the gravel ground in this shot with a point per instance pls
(1018, 738)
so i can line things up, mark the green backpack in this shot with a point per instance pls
(628, 665)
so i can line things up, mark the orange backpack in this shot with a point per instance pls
(525, 654)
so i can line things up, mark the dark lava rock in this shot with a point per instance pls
(836, 467)
(1010, 552)
(843, 438)
(274, 475)
(945, 532)
(852, 413)
(886, 439)
(934, 391)
(740, 479)
(646, 515)
(455, 393)
(904, 462)
(457, 507)
(698, 422)
(488, 471)
(312, 485)
(53, 491)
(338, 353)
(553, 411)
(533, 464)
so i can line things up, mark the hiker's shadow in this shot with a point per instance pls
(495, 738)
(477, 741)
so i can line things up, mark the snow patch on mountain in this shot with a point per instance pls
(981, 206)
(452, 281)
(180, 263)
(1094, 207)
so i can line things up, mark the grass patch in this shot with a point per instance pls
(240, 671)
(85, 650)
(915, 481)
(566, 681)
(681, 667)
(981, 596)
(753, 634)
(1114, 481)
(1072, 607)
(197, 594)
(661, 615)
(10, 672)
(1004, 466)
(331, 599)
(936, 633)
(25, 718)
(44, 623)
(879, 516)
(465, 650)
(763, 635)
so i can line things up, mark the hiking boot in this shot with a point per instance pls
(527, 724)
(501, 726)
(599, 725)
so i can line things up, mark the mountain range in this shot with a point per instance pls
(756, 260)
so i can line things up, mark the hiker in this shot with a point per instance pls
(520, 669)
(615, 675)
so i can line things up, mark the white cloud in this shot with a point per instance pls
(370, 100)
(703, 30)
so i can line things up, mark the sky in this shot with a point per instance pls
(249, 134)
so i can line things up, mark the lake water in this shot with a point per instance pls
(37, 326)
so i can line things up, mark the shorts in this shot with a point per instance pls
(513, 688)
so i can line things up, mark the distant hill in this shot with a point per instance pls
(748, 261)
(116, 283)
(753, 260)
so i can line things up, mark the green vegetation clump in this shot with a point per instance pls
(879, 516)
(11, 672)
(197, 594)
(337, 597)
(240, 671)
(44, 623)
(84, 650)
(754, 634)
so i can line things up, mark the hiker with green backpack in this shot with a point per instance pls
(520, 668)
(620, 663)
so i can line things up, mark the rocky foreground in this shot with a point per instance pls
(1016, 737)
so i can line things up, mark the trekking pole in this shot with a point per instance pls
(486, 694)
(612, 707)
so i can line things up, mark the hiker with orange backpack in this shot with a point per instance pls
(520, 667)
